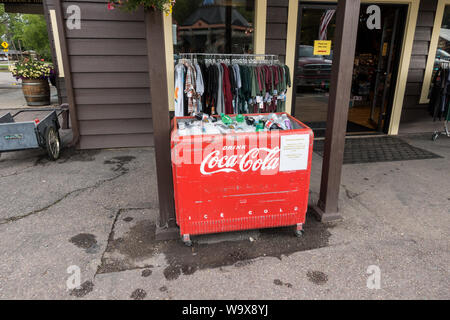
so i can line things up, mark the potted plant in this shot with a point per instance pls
(34, 75)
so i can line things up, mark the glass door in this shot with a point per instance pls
(375, 71)
(377, 57)
(313, 66)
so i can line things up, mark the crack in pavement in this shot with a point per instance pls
(111, 235)
(79, 191)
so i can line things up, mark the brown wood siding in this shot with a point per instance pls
(106, 47)
(419, 58)
(109, 68)
(114, 111)
(88, 63)
(112, 96)
(122, 126)
(276, 27)
(90, 80)
(116, 141)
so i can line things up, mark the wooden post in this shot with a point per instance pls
(58, 19)
(347, 18)
(154, 24)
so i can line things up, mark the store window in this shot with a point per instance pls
(442, 59)
(213, 26)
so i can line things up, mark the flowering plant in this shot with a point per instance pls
(132, 5)
(31, 69)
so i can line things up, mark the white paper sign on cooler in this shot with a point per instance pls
(294, 153)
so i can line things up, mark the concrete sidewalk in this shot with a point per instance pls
(97, 210)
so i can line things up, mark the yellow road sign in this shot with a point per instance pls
(5, 50)
(5, 44)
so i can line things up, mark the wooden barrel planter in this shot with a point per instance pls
(36, 92)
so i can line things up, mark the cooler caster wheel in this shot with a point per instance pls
(299, 230)
(299, 233)
(187, 240)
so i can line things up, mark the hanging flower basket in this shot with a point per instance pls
(132, 5)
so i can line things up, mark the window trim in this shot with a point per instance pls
(432, 50)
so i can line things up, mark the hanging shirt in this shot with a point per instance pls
(220, 99)
(179, 89)
(189, 88)
(199, 87)
(226, 85)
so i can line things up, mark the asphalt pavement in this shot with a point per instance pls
(94, 212)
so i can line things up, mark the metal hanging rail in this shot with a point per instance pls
(271, 58)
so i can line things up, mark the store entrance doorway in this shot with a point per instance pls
(377, 56)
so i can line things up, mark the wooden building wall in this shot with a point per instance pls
(276, 27)
(412, 110)
(109, 68)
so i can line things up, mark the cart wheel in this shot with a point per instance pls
(299, 233)
(52, 143)
(435, 136)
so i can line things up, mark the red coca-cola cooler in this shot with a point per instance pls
(241, 180)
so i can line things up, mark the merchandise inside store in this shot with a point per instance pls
(217, 73)
(377, 54)
(218, 84)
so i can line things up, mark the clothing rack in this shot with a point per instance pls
(443, 65)
(230, 83)
(248, 58)
(446, 131)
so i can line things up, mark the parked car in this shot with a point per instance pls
(441, 56)
(313, 70)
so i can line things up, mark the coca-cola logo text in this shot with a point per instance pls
(250, 161)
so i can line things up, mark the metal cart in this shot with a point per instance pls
(33, 134)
